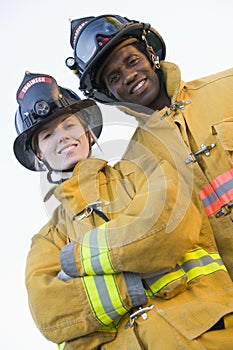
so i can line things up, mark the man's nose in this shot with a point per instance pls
(129, 76)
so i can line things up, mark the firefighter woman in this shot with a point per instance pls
(128, 259)
(121, 60)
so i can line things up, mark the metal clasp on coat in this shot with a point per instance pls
(88, 210)
(140, 312)
(225, 210)
(179, 105)
(174, 106)
(204, 149)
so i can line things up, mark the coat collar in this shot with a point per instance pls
(74, 193)
(172, 76)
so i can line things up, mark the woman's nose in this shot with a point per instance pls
(62, 134)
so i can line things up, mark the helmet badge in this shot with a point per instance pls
(41, 108)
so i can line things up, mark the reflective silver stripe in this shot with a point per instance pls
(224, 188)
(209, 200)
(194, 264)
(218, 193)
(104, 297)
(95, 252)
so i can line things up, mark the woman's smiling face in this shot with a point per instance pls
(63, 142)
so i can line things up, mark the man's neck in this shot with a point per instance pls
(161, 101)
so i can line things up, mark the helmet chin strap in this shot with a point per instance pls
(155, 61)
(60, 179)
(150, 51)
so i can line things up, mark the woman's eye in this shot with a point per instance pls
(69, 125)
(46, 136)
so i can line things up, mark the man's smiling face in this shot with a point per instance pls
(129, 76)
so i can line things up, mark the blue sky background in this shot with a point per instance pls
(35, 36)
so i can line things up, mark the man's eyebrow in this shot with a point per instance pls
(126, 58)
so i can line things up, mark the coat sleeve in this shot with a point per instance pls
(155, 230)
(65, 310)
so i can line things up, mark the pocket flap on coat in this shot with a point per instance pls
(194, 319)
(224, 131)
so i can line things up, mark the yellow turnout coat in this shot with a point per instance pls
(85, 275)
(202, 112)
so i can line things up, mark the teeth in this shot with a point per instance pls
(138, 86)
(67, 149)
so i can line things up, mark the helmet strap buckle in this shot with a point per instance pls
(156, 61)
(152, 56)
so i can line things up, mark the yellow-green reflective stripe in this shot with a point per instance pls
(95, 252)
(95, 301)
(103, 295)
(105, 260)
(149, 293)
(115, 295)
(61, 346)
(194, 264)
(86, 254)
(194, 254)
(166, 279)
(204, 270)
(199, 262)
(215, 256)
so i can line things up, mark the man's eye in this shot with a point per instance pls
(114, 78)
(133, 61)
